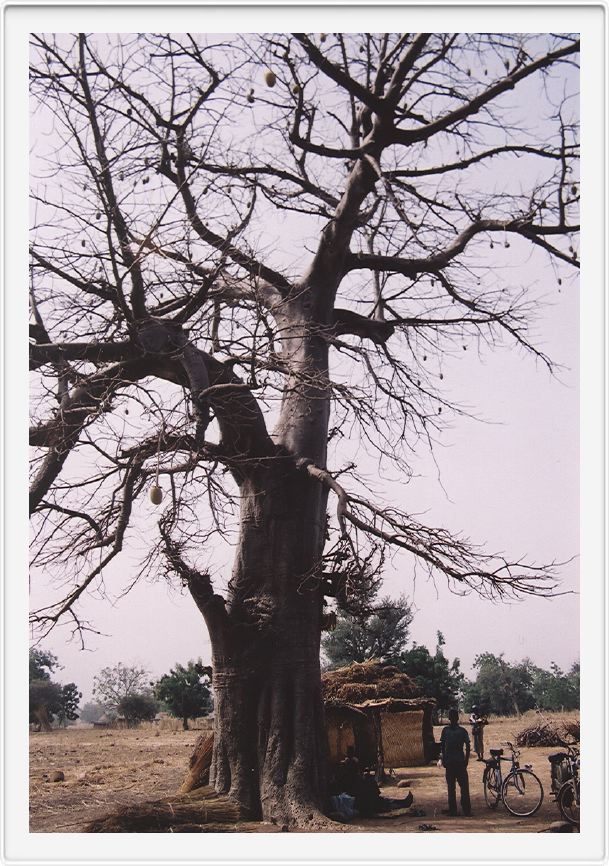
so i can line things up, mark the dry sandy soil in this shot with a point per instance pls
(107, 769)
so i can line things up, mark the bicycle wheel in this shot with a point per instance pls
(522, 793)
(492, 793)
(568, 801)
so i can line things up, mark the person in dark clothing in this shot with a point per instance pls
(455, 746)
(349, 773)
(478, 720)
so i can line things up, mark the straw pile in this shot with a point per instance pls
(203, 809)
(364, 681)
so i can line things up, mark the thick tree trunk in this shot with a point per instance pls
(270, 743)
(42, 714)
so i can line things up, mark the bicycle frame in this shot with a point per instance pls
(513, 759)
(495, 762)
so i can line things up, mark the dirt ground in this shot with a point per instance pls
(107, 769)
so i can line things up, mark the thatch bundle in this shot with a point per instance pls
(200, 764)
(203, 809)
(364, 681)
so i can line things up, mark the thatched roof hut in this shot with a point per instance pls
(363, 681)
(398, 729)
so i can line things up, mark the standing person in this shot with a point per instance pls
(455, 747)
(478, 720)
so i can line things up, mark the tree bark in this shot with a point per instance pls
(42, 714)
(269, 733)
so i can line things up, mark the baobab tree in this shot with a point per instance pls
(245, 251)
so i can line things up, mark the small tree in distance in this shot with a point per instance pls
(509, 688)
(137, 708)
(68, 704)
(501, 687)
(185, 691)
(112, 684)
(45, 702)
(48, 699)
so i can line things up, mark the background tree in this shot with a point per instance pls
(500, 687)
(227, 278)
(68, 704)
(42, 664)
(435, 676)
(137, 708)
(45, 702)
(112, 684)
(47, 698)
(185, 691)
(381, 635)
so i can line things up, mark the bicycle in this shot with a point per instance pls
(520, 790)
(565, 782)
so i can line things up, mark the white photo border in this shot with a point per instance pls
(18, 846)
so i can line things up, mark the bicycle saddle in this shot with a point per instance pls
(496, 752)
(558, 757)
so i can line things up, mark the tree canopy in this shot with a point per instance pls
(49, 699)
(136, 707)
(381, 635)
(508, 688)
(112, 684)
(435, 676)
(42, 664)
(185, 690)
